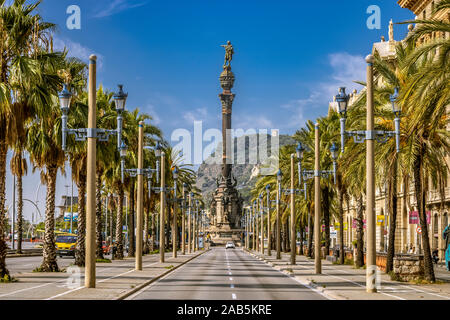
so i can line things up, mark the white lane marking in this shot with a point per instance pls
(360, 285)
(408, 287)
(233, 296)
(43, 285)
(155, 282)
(73, 290)
(26, 289)
(426, 292)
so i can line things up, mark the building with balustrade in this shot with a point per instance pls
(438, 211)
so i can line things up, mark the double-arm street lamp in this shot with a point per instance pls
(254, 227)
(261, 221)
(292, 192)
(316, 174)
(175, 211)
(91, 133)
(269, 234)
(369, 136)
(183, 219)
(139, 172)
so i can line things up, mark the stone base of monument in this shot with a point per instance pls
(221, 235)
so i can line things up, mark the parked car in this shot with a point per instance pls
(230, 244)
(106, 248)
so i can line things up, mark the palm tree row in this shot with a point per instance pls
(421, 73)
(31, 75)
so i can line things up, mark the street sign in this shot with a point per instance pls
(419, 230)
(414, 217)
(355, 224)
(380, 220)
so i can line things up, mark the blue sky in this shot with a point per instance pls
(290, 57)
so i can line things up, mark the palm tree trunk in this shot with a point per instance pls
(421, 205)
(112, 205)
(360, 233)
(302, 229)
(326, 218)
(98, 216)
(168, 224)
(49, 263)
(341, 226)
(80, 253)
(145, 248)
(131, 245)
(310, 229)
(3, 151)
(392, 198)
(119, 225)
(19, 209)
(152, 243)
(283, 237)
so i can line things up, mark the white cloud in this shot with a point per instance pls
(345, 69)
(252, 121)
(76, 50)
(117, 6)
(151, 109)
(199, 114)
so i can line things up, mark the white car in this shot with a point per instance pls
(230, 244)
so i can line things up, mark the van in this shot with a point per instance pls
(65, 244)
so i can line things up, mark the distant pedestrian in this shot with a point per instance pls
(446, 236)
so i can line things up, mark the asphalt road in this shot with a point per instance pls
(28, 264)
(227, 274)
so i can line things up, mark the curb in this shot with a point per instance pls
(300, 280)
(24, 255)
(143, 285)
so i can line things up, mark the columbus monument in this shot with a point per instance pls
(226, 207)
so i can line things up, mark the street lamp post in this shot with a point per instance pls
(175, 209)
(269, 236)
(369, 136)
(91, 134)
(162, 246)
(190, 222)
(292, 191)
(183, 221)
(278, 224)
(139, 172)
(254, 229)
(316, 174)
(261, 220)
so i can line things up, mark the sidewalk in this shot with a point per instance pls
(115, 280)
(344, 282)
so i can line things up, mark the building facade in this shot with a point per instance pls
(407, 234)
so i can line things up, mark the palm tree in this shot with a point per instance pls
(22, 33)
